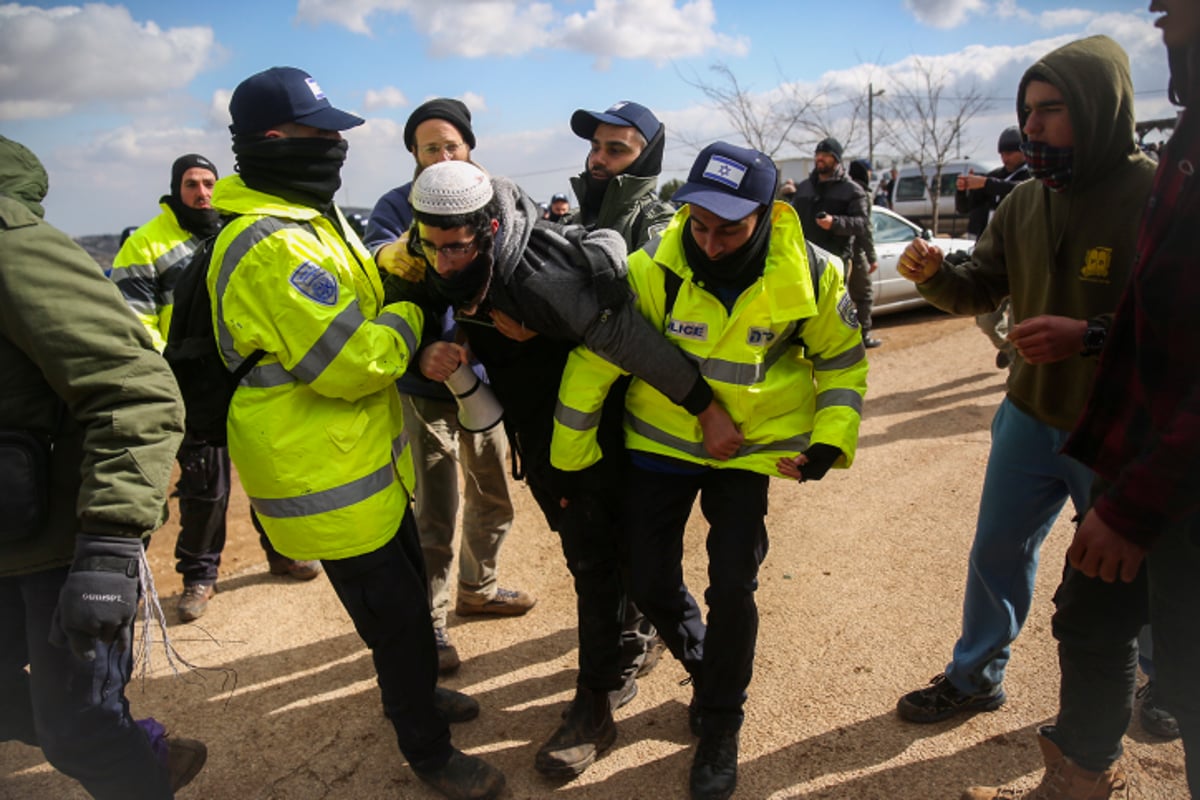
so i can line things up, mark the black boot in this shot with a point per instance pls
(714, 769)
(587, 731)
(455, 706)
(465, 777)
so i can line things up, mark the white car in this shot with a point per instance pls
(892, 234)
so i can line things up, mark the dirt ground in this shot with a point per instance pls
(859, 601)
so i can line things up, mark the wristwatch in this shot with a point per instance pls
(1093, 338)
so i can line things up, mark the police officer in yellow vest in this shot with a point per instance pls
(315, 429)
(734, 285)
(146, 269)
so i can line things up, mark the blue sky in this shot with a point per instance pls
(108, 95)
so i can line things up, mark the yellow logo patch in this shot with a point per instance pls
(1096, 265)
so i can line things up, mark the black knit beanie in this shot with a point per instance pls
(453, 111)
(183, 164)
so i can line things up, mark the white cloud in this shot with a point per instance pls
(387, 97)
(655, 30)
(1065, 18)
(474, 101)
(55, 60)
(944, 13)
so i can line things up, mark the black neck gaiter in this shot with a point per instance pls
(303, 170)
(202, 222)
(731, 274)
(466, 288)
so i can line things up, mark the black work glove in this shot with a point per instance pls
(820, 458)
(99, 598)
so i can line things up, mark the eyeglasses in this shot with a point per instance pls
(449, 148)
(454, 251)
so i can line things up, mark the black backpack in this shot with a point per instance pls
(206, 384)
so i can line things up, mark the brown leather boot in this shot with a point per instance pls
(587, 730)
(1063, 780)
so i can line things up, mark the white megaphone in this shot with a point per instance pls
(478, 408)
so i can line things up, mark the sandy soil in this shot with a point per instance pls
(859, 600)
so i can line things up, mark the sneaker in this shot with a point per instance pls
(194, 601)
(1003, 359)
(506, 603)
(464, 777)
(185, 759)
(300, 570)
(1156, 719)
(870, 342)
(714, 769)
(447, 653)
(940, 700)
(455, 706)
(623, 696)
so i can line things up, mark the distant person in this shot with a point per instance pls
(732, 260)
(863, 262)
(440, 130)
(1061, 246)
(559, 208)
(887, 184)
(833, 210)
(145, 270)
(316, 429)
(978, 196)
(90, 421)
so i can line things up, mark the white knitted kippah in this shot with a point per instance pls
(450, 187)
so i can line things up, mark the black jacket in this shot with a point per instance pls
(979, 204)
(841, 198)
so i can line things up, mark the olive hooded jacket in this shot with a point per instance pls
(79, 369)
(1063, 253)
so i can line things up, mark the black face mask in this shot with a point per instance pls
(202, 222)
(466, 288)
(304, 170)
(736, 270)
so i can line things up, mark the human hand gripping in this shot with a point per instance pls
(1047, 338)
(1097, 550)
(439, 360)
(98, 600)
(920, 261)
(721, 435)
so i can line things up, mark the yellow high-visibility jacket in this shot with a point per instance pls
(147, 267)
(315, 428)
(788, 363)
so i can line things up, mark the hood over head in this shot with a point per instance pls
(22, 176)
(1093, 76)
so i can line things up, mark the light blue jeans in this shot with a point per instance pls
(1026, 485)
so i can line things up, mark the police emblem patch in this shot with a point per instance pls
(1096, 265)
(848, 312)
(315, 283)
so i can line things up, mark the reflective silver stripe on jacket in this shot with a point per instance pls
(575, 419)
(843, 361)
(736, 373)
(266, 376)
(399, 445)
(338, 497)
(655, 434)
(840, 397)
(258, 230)
(155, 275)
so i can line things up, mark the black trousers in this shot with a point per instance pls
(719, 656)
(1096, 625)
(203, 492)
(386, 595)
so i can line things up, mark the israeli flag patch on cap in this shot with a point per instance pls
(725, 171)
(315, 88)
(315, 283)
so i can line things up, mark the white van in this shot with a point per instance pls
(910, 196)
